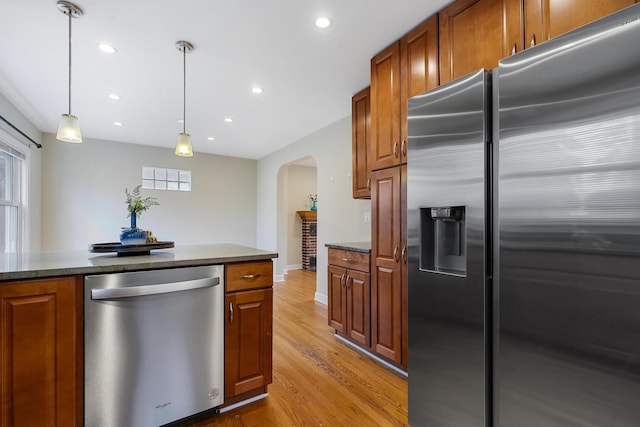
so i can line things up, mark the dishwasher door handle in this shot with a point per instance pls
(163, 288)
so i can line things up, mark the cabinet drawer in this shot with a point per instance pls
(347, 259)
(249, 275)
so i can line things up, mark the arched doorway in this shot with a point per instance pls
(296, 181)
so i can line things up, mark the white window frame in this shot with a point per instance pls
(23, 232)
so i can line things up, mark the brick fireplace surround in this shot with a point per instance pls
(309, 239)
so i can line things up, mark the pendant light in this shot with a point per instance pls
(183, 146)
(69, 128)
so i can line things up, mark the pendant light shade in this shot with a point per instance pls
(69, 127)
(183, 146)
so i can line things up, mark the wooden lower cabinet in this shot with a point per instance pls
(388, 264)
(350, 304)
(40, 371)
(248, 333)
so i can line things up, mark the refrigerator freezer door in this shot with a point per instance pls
(446, 235)
(569, 229)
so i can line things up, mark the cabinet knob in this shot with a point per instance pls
(395, 254)
(404, 254)
(395, 150)
(515, 49)
(230, 312)
(533, 40)
(403, 148)
(250, 276)
(369, 184)
(346, 259)
(347, 281)
(342, 281)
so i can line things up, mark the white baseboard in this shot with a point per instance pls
(294, 267)
(321, 298)
(278, 278)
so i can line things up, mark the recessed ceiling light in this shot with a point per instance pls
(257, 89)
(228, 120)
(114, 96)
(117, 124)
(107, 48)
(210, 138)
(323, 22)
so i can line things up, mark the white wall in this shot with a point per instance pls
(302, 181)
(84, 201)
(340, 217)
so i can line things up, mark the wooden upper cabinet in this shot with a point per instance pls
(546, 19)
(360, 142)
(419, 69)
(473, 35)
(530, 22)
(385, 108)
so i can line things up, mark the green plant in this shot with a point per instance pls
(136, 204)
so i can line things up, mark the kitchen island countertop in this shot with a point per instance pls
(49, 264)
(364, 247)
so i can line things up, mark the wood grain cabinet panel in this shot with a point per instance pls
(385, 108)
(350, 295)
(472, 36)
(419, 69)
(386, 252)
(39, 346)
(248, 341)
(248, 333)
(361, 144)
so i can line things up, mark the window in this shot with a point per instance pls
(11, 197)
(166, 179)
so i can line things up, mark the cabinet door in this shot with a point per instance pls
(404, 267)
(472, 36)
(39, 353)
(419, 69)
(386, 292)
(361, 142)
(337, 298)
(358, 306)
(385, 108)
(546, 19)
(248, 341)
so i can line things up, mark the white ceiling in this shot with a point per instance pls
(308, 74)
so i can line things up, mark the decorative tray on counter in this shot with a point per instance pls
(127, 250)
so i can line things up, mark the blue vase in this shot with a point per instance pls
(133, 235)
(313, 207)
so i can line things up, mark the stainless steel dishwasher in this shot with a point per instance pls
(154, 345)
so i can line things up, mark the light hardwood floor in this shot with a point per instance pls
(317, 379)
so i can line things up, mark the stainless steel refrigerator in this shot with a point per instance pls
(524, 238)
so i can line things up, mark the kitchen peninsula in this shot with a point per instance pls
(44, 334)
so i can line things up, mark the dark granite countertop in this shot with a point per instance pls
(48, 264)
(364, 247)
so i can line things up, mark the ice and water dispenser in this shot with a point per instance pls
(443, 239)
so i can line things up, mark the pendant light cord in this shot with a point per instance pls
(70, 62)
(184, 89)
